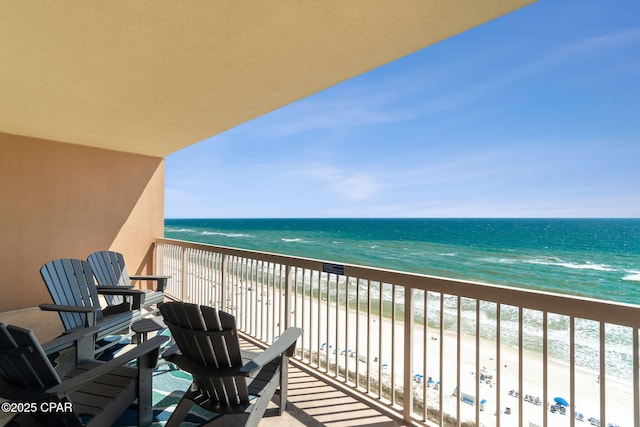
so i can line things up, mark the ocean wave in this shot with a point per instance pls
(633, 276)
(573, 265)
(216, 233)
(555, 262)
(290, 240)
(179, 230)
(500, 260)
(448, 254)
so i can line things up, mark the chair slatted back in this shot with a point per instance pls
(23, 363)
(110, 270)
(209, 337)
(71, 282)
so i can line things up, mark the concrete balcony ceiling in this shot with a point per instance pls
(152, 77)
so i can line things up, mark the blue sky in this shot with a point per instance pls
(535, 114)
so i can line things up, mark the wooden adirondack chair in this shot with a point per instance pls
(209, 350)
(110, 270)
(75, 297)
(93, 393)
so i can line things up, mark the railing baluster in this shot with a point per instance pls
(407, 395)
(357, 334)
(441, 367)
(380, 309)
(369, 361)
(327, 323)
(477, 360)
(337, 323)
(636, 373)
(319, 319)
(602, 377)
(393, 344)
(458, 358)
(520, 368)
(498, 365)
(572, 370)
(545, 364)
(346, 330)
(184, 295)
(425, 335)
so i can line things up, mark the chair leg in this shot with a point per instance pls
(180, 412)
(258, 407)
(145, 388)
(284, 381)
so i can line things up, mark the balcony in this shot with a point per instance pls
(512, 353)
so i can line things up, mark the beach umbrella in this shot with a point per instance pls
(560, 401)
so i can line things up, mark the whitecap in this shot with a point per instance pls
(216, 233)
(633, 276)
(296, 239)
(572, 265)
(448, 254)
(500, 260)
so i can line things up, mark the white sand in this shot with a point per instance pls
(619, 401)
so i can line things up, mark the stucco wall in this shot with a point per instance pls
(65, 201)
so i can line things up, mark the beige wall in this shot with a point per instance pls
(65, 201)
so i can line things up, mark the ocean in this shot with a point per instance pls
(597, 258)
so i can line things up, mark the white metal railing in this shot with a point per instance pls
(406, 339)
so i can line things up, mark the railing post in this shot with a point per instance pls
(407, 399)
(183, 285)
(287, 297)
(223, 282)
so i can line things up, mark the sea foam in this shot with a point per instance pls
(573, 265)
(216, 233)
(633, 276)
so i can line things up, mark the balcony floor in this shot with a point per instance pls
(312, 400)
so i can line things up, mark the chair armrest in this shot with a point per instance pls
(140, 350)
(285, 344)
(197, 369)
(68, 340)
(101, 288)
(113, 290)
(171, 351)
(69, 308)
(161, 280)
(117, 290)
(91, 312)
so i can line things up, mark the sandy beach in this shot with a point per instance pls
(323, 337)
(619, 401)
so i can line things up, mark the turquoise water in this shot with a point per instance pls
(597, 258)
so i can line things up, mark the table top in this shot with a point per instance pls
(148, 325)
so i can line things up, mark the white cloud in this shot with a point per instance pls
(350, 186)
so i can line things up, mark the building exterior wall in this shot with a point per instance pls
(61, 200)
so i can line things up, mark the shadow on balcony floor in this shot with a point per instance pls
(313, 402)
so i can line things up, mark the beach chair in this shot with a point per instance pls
(207, 347)
(75, 297)
(91, 393)
(110, 270)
